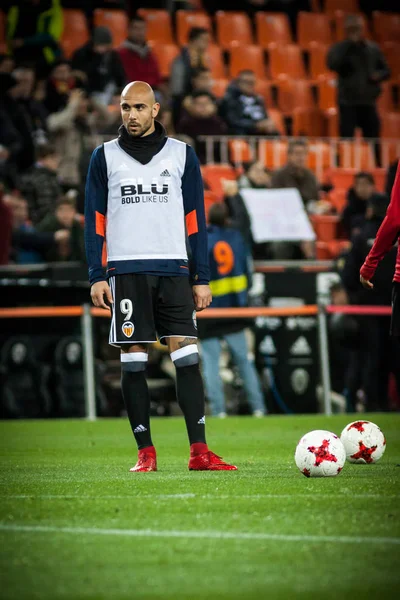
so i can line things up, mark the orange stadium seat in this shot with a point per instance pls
(331, 122)
(313, 27)
(338, 198)
(317, 63)
(277, 117)
(212, 175)
(219, 87)
(308, 122)
(75, 31)
(331, 6)
(264, 89)
(332, 249)
(391, 126)
(385, 101)
(240, 151)
(356, 155)
(327, 92)
(391, 50)
(272, 28)
(325, 226)
(115, 20)
(343, 179)
(209, 199)
(339, 19)
(319, 157)
(272, 153)
(186, 19)
(216, 61)
(386, 26)
(286, 60)
(233, 27)
(294, 93)
(159, 28)
(247, 57)
(165, 55)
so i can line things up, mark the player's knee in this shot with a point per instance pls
(134, 362)
(186, 356)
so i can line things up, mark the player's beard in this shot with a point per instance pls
(142, 129)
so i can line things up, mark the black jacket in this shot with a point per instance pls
(355, 63)
(361, 245)
(354, 212)
(100, 69)
(241, 112)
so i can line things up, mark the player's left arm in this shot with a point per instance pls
(193, 202)
(386, 237)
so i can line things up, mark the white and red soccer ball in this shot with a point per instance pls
(320, 453)
(363, 441)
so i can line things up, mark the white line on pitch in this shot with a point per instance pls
(215, 535)
(190, 496)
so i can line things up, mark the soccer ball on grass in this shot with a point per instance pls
(320, 453)
(363, 441)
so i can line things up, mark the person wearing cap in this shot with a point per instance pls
(100, 65)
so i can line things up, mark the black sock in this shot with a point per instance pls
(190, 392)
(137, 402)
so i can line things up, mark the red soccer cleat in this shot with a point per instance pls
(147, 461)
(207, 461)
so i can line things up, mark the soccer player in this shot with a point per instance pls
(144, 195)
(386, 237)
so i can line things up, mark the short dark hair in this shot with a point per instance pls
(196, 32)
(364, 175)
(245, 72)
(137, 18)
(218, 214)
(65, 201)
(44, 150)
(200, 93)
(293, 143)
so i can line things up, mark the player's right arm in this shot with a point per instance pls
(96, 194)
(386, 237)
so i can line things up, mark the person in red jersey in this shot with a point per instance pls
(386, 238)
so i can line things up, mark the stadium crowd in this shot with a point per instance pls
(63, 65)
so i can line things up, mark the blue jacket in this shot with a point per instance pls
(229, 262)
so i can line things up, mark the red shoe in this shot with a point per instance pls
(208, 461)
(147, 461)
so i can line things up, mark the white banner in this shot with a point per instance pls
(277, 215)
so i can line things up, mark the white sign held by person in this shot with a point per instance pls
(277, 215)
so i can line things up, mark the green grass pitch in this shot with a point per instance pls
(75, 524)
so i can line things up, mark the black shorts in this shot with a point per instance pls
(147, 307)
(395, 322)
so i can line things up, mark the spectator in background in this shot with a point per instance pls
(390, 177)
(202, 120)
(255, 176)
(192, 57)
(201, 81)
(64, 217)
(28, 245)
(138, 61)
(59, 85)
(40, 185)
(296, 174)
(7, 63)
(100, 66)
(361, 67)
(34, 110)
(238, 216)
(73, 131)
(230, 277)
(362, 192)
(33, 31)
(243, 110)
(5, 229)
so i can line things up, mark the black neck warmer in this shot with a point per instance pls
(145, 147)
